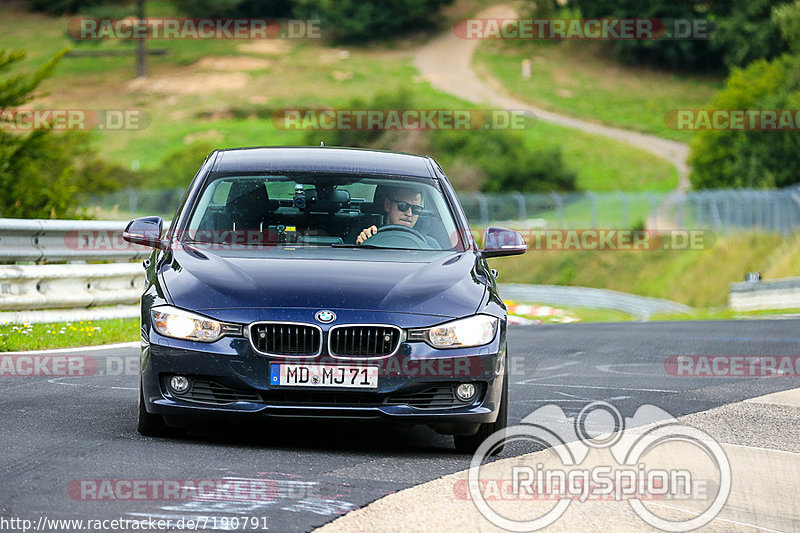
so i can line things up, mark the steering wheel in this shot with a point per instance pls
(396, 236)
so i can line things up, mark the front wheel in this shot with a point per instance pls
(470, 443)
(148, 424)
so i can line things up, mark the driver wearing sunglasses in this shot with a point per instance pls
(403, 209)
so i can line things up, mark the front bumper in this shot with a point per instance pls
(232, 382)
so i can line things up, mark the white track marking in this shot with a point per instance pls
(56, 381)
(595, 387)
(715, 518)
(78, 349)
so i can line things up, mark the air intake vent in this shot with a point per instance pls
(363, 341)
(298, 340)
(207, 391)
(438, 397)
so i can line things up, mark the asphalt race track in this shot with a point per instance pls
(62, 437)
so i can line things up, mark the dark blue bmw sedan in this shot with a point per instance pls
(322, 282)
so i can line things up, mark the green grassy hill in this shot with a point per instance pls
(221, 92)
(698, 278)
(579, 78)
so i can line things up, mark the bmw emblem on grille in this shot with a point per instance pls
(326, 317)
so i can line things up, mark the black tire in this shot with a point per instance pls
(148, 424)
(470, 443)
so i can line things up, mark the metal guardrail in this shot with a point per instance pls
(24, 287)
(639, 306)
(774, 294)
(54, 241)
(69, 286)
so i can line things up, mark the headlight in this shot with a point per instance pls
(180, 324)
(472, 331)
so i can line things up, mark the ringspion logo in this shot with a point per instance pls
(599, 455)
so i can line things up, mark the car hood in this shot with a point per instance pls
(439, 284)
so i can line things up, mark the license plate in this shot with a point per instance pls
(300, 375)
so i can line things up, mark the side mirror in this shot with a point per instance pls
(499, 242)
(145, 231)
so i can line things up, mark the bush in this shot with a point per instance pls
(507, 164)
(355, 20)
(787, 17)
(43, 174)
(751, 158)
(744, 31)
(741, 31)
(362, 138)
(489, 160)
(683, 54)
(62, 7)
(235, 8)
(47, 175)
(178, 168)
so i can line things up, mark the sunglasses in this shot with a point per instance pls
(405, 206)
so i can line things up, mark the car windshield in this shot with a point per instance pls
(323, 210)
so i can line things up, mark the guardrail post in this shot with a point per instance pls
(483, 209)
(521, 203)
(626, 223)
(593, 209)
(132, 202)
(559, 209)
(653, 211)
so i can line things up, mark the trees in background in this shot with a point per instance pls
(354, 20)
(755, 158)
(738, 158)
(43, 174)
(347, 20)
(741, 31)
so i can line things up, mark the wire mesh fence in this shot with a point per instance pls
(724, 211)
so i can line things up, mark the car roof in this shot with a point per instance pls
(321, 159)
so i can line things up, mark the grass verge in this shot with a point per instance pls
(579, 78)
(18, 337)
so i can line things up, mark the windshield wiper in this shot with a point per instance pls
(344, 245)
(375, 247)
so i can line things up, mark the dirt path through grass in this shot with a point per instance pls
(446, 62)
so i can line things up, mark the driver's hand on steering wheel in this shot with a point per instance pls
(366, 234)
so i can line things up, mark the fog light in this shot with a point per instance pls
(179, 384)
(465, 391)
